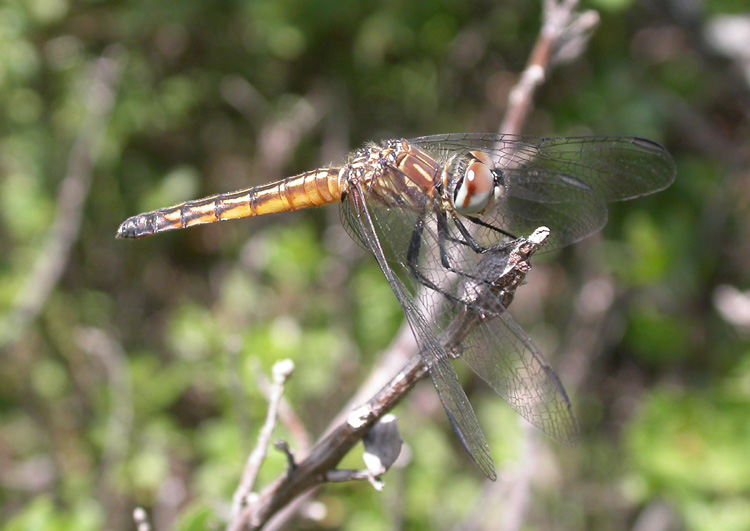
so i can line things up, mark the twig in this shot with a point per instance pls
(560, 21)
(343, 476)
(561, 24)
(324, 457)
(299, 435)
(283, 447)
(74, 189)
(281, 371)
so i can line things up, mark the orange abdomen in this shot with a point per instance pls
(309, 189)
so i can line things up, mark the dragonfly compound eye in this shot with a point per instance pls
(475, 189)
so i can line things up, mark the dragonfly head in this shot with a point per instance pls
(477, 184)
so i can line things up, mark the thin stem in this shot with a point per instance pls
(281, 371)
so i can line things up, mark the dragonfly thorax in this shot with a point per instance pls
(475, 184)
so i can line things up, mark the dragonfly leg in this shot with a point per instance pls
(412, 261)
(480, 278)
(486, 225)
(468, 238)
(412, 257)
(443, 236)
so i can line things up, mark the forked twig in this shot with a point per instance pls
(315, 469)
(281, 371)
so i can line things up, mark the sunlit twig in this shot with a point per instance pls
(561, 24)
(281, 371)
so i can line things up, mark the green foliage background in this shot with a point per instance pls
(137, 384)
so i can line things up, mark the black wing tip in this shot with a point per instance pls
(668, 167)
(646, 143)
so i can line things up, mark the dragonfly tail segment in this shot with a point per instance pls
(309, 189)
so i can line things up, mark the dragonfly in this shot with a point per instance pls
(438, 213)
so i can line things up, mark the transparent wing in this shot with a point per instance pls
(543, 198)
(562, 183)
(500, 352)
(617, 168)
(450, 297)
(368, 224)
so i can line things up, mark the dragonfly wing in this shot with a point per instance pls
(366, 223)
(461, 415)
(562, 183)
(500, 352)
(617, 168)
(453, 292)
(503, 355)
(570, 209)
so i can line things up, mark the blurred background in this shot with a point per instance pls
(131, 373)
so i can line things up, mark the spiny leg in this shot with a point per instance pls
(444, 236)
(412, 261)
(412, 258)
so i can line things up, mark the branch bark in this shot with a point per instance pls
(562, 38)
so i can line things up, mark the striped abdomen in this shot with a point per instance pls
(309, 189)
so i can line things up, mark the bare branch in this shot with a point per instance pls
(330, 450)
(74, 189)
(562, 38)
(325, 456)
(281, 371)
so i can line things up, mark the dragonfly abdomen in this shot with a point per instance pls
(309, 189)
